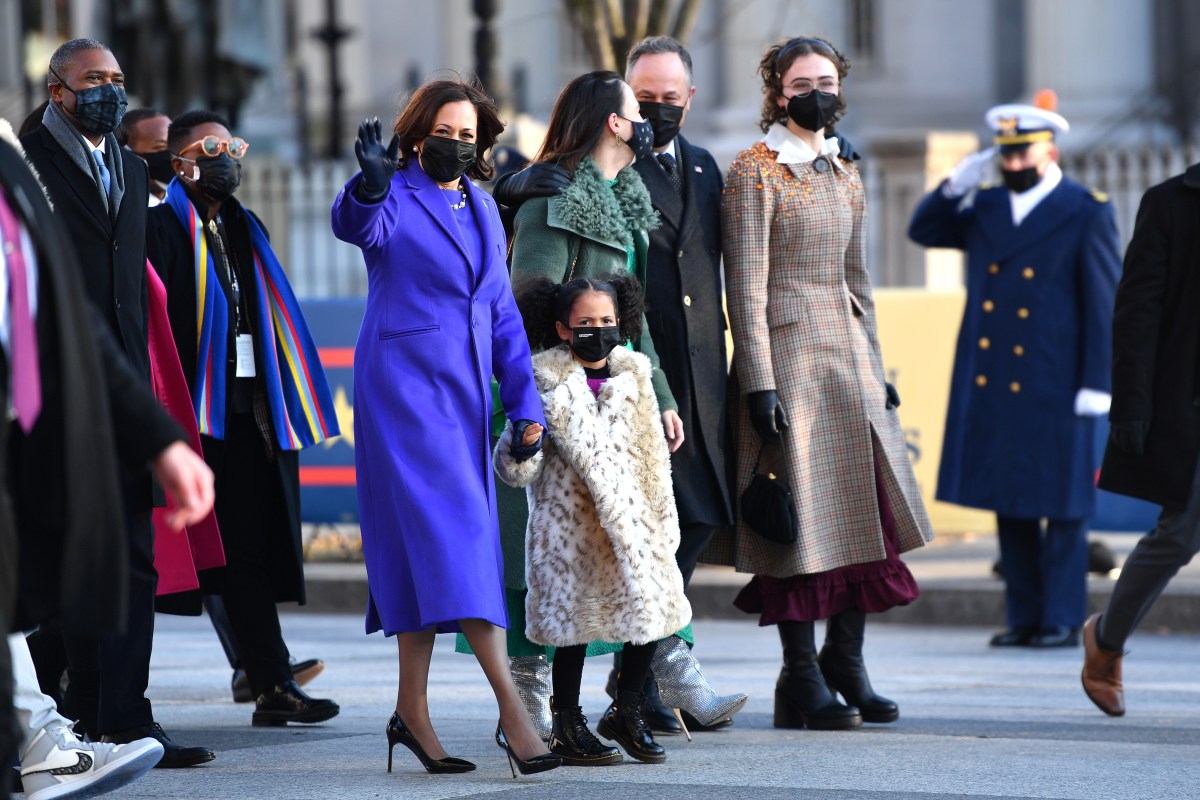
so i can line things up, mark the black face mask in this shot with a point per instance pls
(641, 141)
(595, 343)
(664, 119)
(98, 109)
(813, 111)
(1021, 180)
(445, 159)
(219, 177)
(159, 163)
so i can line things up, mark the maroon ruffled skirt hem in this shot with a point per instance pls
(870, 587)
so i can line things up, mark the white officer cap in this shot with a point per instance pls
(1018, 125)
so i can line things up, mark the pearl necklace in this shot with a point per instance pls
(461, 204)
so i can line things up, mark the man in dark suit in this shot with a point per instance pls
(59, 459)
(1153, 450)
(101, 196)
(1031, 369)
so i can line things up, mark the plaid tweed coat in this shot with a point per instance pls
(803, 324)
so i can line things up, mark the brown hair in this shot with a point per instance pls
(580, 116)
(778, 60)
(416, 119)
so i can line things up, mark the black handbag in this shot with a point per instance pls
(767, 506)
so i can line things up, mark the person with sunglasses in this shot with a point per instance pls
(258, 390)
(811, 400)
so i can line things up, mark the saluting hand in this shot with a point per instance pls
(969, 173)
(378, 163)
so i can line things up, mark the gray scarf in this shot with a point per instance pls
(80, 153)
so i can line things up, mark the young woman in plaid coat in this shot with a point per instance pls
(811, 391)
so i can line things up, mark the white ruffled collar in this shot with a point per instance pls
(794, 150)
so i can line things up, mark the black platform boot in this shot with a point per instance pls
(575, 742)
(625, 724)
(802, 698)
(842, 665)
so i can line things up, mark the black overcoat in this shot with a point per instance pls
(170, 248)
(95, 409)
(687, 323)
(1156, 347)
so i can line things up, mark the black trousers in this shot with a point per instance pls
(108, 675)
(1158, 555)
(693, 539)
(252, 515)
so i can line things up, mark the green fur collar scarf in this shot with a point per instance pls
(590, 208)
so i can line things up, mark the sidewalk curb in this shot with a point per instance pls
(964, 602)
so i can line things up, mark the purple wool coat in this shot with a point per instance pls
(440, 321)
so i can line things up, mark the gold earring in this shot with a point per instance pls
(617, 138)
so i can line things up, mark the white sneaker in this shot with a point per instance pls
(57, 764)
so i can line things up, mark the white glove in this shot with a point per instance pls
(1091, 403)
(969, 173)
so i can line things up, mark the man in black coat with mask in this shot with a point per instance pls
(75, 417)
(101, 197)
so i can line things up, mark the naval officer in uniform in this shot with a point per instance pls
(1031, 369)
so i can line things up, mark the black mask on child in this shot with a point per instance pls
(595, 343)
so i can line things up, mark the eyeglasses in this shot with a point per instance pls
(804, 87)
(213, 146)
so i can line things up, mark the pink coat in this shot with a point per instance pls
(177, 556)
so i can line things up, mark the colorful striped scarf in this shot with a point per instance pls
(298, 394)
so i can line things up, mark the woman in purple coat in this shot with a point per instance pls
(440, 321)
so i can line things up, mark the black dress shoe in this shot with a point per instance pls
(302, 673)
(1014, 637)
(287, 703)
(1101, 559)
(173, 755)
(1059, 636)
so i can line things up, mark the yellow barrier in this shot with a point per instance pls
(917, 331)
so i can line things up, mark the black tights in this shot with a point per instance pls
(568, 671)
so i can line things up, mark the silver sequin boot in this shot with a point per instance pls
(531, 674)
(683, 686)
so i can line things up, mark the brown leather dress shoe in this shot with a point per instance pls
(1102, 672)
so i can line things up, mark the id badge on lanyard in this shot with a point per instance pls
(245, 356)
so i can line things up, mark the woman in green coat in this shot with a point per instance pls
(599, 225)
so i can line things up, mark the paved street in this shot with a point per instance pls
(975, 723)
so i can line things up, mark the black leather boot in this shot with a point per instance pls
(841, 662)
(659, 716)
(575, 742)
(625, 724)
(802, 698)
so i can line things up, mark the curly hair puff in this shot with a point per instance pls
(778, 60)
(542, 302)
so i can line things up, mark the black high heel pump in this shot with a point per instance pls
(542, 763)
(398, 733)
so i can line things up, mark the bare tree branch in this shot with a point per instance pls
(685, 20)
(656, 22)
(605, 58)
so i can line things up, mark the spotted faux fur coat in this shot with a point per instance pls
(602, 535)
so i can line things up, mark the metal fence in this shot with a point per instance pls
(294, 204)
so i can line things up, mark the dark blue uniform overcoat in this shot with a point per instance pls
(1036, 329)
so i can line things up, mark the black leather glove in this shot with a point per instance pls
(766, 413)
(846, 149)
(539, 179)
(523, 452)
(378, 163)
(893, 397)
(1130, 436)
